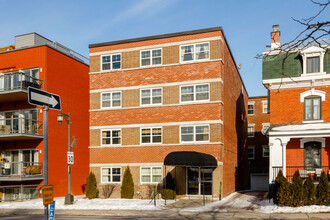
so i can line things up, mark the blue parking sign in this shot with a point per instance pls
(52, 211)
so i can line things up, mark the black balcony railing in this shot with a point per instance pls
(304, 171)
(20, 126)
(18, 81)
(21, 169)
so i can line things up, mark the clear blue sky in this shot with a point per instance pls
(77, 23)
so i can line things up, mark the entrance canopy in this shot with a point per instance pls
(190, 158)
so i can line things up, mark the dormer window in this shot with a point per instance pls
(313, 64)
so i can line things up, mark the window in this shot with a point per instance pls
(251, 152)
(111, 62)
(151, 135)
(194, 133)
(264, 106)
(111, 99)
(195, 52)
(111, 175)
(250, 130)
(312, 108)
(195, 93)
(313, 64)
(265, 151)
(151, 57)
(151, 174)
(151, 96)
(251, 109)
(111, 137)
(312, 155)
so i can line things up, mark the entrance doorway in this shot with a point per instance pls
(199, 180)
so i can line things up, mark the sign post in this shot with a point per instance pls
(46, 100)
(70, 157)
(52, 211)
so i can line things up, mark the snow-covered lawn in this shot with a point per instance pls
(82, 203)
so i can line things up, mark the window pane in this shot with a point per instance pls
(156, 92)
(202, 129)
(156, 100)
(308, 109)
(145, 93)
(145, 101)
(145, 171)
(145, 62)
(156, 170)
(106, 141)
(186, 130)
(202, 51)
(116, 65)
(185, 98)
(187, 53)
(116, 179)
(202, 88)
(116, 170)
(156, 53)
(105, 179)
(105, 171)
(106, 66)
(156, 179)
(116, 58)
(145, 54)
(202, 96)
(116, 95)
(146, 179)
(187, 89)
(309, 65)
(316, 64)
(106, 134)
(316, 109)
(202, 137)
(156, 61)
(186, 137)
(115, 103)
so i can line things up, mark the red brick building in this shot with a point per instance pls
(164, 99)
(300, 128)
(38, 62)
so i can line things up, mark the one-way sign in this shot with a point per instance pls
(41, 98)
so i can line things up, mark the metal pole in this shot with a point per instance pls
(69, 197)
(165, 185)
(46, 154)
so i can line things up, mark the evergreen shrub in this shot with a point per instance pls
(309, 195)
(296, 190)
(282, 190)
(323, 190)
(91, 186)
(127, 187)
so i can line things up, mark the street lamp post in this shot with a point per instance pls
(69, 197)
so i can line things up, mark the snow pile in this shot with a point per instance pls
(269, 207)
(82, 203)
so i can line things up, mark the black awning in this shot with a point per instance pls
(190, 158)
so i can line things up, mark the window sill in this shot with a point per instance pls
(312, 121)
(313, 74)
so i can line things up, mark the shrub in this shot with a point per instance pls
(296, 190)
(169, 181)
(323, 190)
(127, 187)
(309, 192)
(108, 190)
(91, 187)
(170, 194)
(282, 190)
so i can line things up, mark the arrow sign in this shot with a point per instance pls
(41, 98)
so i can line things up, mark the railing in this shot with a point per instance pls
(304, 172)
(20, 126)
(18, 80)
(21, 169)
(20, 192)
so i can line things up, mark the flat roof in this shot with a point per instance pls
(156, 37)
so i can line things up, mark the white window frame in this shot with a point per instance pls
(251, 103)
(151, 64)
(313, 51)
(251, 125)
(253, 148)
(151, 174)
(194, 134)
(151, 142)
(111, 69)
(194, 53)
(111, 142)
(195, 85)
(151, 89)
(263, 151)
(111, 175)
(101, 104)
(265, 103)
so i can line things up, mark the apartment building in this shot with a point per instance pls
(256, 160)
(167, 103)
(299, 119)
(40, 63)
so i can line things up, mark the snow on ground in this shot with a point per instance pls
(82, 203)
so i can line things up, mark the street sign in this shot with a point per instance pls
(70, 157)
(47, 194)
(41, 98)
(52, 211)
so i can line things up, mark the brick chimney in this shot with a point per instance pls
(275, 35)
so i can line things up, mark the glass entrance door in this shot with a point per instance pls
(199, 181)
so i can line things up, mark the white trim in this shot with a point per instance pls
(150, 50)
(156, 46)
(151, 143)
(312, 121)
(251, 125)
(251, 104)
(116, 107)
(251, 158)
(111, 144)
(111, 54)
(124, 164)
(163, 145)
(151, 104)
(110, 167)
(194, 134)
(305, 140)
(311, 92)
(151, 182)
(313, 51)
(203, 81)
(157, 106)
(195, 93)
(107, 127)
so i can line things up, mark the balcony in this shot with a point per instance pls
(13, 85)
(304, 172)
(20, 129)
(21, 171)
